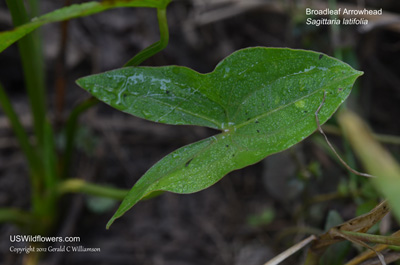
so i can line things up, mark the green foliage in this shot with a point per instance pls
(262, 100)
(74, 11)
(48, 168)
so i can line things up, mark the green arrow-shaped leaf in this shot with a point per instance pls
(262, 99)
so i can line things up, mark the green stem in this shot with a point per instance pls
(71, 126)
(155, 47)
(15, 216)
(33, 8)
(81, 186)
(33, 67)
(50, 159)
(19, 130)
(29, 152)
(377, 239)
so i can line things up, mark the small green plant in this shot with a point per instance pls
(262, 100)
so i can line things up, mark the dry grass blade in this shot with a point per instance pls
(359, 224)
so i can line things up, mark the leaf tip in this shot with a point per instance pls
(79, 82)
(110, 222)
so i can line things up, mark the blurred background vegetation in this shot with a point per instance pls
(252, 214)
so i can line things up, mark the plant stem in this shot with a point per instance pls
(155, 47)
(19, 130)
(79, 185)
(33, 8)
(33, 67)
(387, 240)
(50, 159)
(60, 71)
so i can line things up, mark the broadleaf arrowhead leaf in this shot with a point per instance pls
(262, 99)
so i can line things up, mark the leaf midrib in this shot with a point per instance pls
(286, 105)
(218, 125)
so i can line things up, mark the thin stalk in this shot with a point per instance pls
(71, 126)
(29, 152)
(33, 8)
(33, 67)
(155, 47)
(60, 70)
(50, 159)
(81, 186)
(377, 239)
(19, 131)
(47, 205)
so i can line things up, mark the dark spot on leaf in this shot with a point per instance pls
(248, 119)
(320, 56)
(257, 121)
(258, 131)
(340, 88)
(188, 162)
(167, 91)
(305, 111)
(233, 155)
(227, 145)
